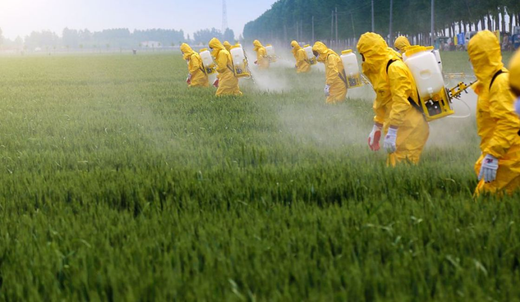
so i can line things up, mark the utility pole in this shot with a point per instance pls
(224, 17)
(372, 15)
(432, 27)
(313, 30)
(390, 38)
(336, 24)
(332, 26)
(297, 30)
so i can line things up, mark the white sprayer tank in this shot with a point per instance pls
(207, 60)
(426, 72)
(239, 62)
(438, 57)
(351, 66)
(238, 55)
(270, 50)
(310, 54)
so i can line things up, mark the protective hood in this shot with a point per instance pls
(216, 45)
(295, 47)
(485, 56)
(227, 46)
(401, 43)
(257, 45)
(323, 51)
(186, 51)
(514, 71)
(375, 51)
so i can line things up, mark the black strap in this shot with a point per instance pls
(495, 76)
(343, 77)
(388, 65)
(410, 100)
(493, 80)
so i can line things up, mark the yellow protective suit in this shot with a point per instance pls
(227, 46)
(392, 106)
(302, 61)
(199, 78)
(514, 73)
(401, 44)
(261, 55)
(497, 123)
(228, 83)
(334, 73)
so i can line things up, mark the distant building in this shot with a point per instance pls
(151, 44)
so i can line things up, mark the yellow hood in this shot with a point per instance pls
(322, 50)
(216, 45)
(257, 45)
(227, 46)
(375, 52)
(485, 56)
(186, 51)
(514, 72)
(401, 43)
(295, 47)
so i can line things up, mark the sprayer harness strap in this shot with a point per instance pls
(410, 100)
(493, 80)
(495, 76)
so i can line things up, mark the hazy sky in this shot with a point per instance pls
(20, 17)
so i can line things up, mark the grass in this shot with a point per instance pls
(119, 183)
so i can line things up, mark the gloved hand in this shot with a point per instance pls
(517, 106)
(390, 138)
(489, 168)
(188, 79)
(215, 83)
(327, 90)
(374, 137)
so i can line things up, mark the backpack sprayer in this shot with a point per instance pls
(310, 56)
(271, 55)
(434, 98)
(240, 63)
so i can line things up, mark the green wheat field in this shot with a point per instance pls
(119, 183)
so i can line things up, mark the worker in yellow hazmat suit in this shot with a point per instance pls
(261, 55)
(197, 76)
(227, 46)
(514, 78)
(335, 78)
(401, 44)
(498, 168)
(396, 107)
(227, 83)
(302, 61)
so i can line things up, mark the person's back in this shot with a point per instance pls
(261, 55)
(396, 107)
(498, 168)
(335, 79)
(302, 62)
(197, 76)
(227, 81)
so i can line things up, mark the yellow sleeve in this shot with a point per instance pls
(507, 123)
(222, 62)
(332, 71)
(379, 111)
(195, 64)
(400, 89)
(261, 53)
(300, 59)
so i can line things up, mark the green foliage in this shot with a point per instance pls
(122, 184)
(354, 17)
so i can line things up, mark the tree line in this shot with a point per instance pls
(289, 19)
(112, 38)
